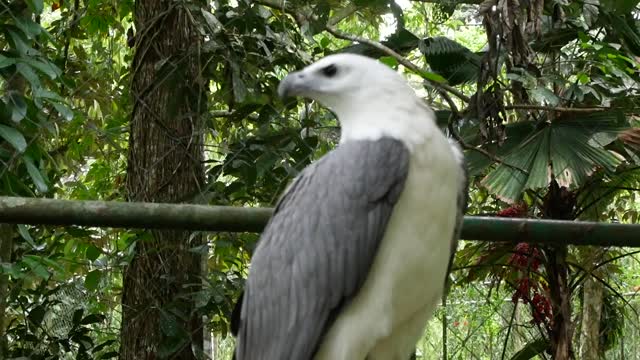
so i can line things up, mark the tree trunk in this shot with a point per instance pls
(559, 203)
(562, 326)
(15, 83)
(159, 318)
(591, 313)
(6, 250)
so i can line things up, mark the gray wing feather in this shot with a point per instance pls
(317, 249)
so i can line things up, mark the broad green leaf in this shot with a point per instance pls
(93, 252)
(47, 68)
(18, 107)
(451, 60)
(35, 174)
(92, 280)
(544, 96)
(24, 233)
(568, 145)
(92, 319)
(63, 110)
(13, 137)
(34, 263)
(30, 28)
(21, 44)
(390, 61)
(29, 74)
(6, 61)
(36, 5)
(77, 316)
(620, 6)
(433, 77)
(36, 315)
(109, 355)
(214, 24)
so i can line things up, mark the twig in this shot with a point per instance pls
(558, 109)
(455, 115)
(401, 59)
(342, 14)
(283, 6)
(221, 113)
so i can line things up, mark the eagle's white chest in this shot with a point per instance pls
(388, 315)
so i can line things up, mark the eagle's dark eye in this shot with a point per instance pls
(329, 70)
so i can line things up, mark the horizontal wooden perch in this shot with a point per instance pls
(33, 211)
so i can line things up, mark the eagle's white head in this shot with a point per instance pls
(370, 99)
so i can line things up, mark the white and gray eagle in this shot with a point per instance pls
(353, 262)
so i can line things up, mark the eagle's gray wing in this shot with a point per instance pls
(317, 249)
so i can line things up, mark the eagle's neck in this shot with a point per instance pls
(411, 122)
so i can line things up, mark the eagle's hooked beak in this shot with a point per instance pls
(294, 84)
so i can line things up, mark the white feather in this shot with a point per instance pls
(388, 315)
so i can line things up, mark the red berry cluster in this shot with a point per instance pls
(540, 304)
(541, 308)
(525, 257)
(517, 210)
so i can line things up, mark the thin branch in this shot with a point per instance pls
(342, 14)
(558, 109)
(401, 59)
(283, 6)
(221, 113)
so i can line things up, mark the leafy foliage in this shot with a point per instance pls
(65, 69)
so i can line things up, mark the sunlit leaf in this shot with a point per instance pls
(35, 174)
(13, 137)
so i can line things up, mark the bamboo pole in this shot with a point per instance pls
(35, 211)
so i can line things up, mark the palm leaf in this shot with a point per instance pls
(451, 60)
(569, 148)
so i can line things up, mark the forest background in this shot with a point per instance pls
(175, 101)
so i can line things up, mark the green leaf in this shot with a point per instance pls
(63, 110)
(109, 355)
(30, 28)
(93, 252)
(92, 280)
(47, 68)
(36, 5)
(6, 61)
(544, 96)
(77, 316)
(13, 137)
(433, 77)
(531, 350)
(451, 60)
(390, 61)
(92, 319)
(24, 233)
(29, 74)
(18, 107)
(34, 263)
(569, 144)
(35, 174)
(620, 6)
(36, 315)
(21, 44)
